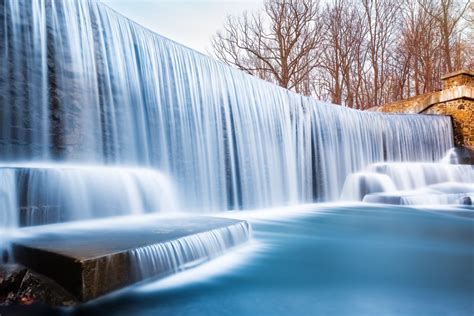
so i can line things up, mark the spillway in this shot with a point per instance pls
(43, 194)
(411, 184)
(100, 117)
(80, 83)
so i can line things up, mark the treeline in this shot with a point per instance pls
(356, 53)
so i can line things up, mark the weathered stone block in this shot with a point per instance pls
(93, 260)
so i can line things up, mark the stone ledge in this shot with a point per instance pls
(457, 73)
(421, 103)
(94, 258)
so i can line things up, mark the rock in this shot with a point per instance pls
(37, 288)
(467, 200)
(11, 277)
(21, 286)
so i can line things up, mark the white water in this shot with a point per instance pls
(8, 210)
(411, 184)
(358, 185)
(82, 84)
(57, 193)
(408, 176)
(187, 252)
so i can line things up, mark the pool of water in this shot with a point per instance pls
(358, 260)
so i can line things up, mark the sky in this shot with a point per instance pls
(189, 22)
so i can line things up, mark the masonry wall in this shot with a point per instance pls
(456, 100)
(462, 112)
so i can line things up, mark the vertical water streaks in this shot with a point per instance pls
(81, 83)
(44, 194)
(186, 252)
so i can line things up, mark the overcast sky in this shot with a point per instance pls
(189, 22)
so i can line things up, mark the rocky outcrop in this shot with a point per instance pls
(22, 286)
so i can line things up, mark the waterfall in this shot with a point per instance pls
(80, 84)
(408, 176)
(45, 194)
(411, 183)
(359, 184)
(8, 211)
(186, 252)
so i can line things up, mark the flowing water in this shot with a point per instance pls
(82, 84)
(52, 193)
(341, 260)
(411, 183)
(100, 117)
(187, 252)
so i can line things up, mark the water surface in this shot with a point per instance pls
(359, 260)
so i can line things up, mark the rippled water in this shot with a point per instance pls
(358, 260)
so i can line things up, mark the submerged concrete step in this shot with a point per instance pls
(93, 258)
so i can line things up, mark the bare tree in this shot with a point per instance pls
(344, 55)
(357, 53)
(381, 18)
(447, 14)
(279, 44)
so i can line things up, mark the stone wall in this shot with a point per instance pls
(462, 112)
(456, 100)
(458, 78)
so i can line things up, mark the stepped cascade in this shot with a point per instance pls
(82, 84)
(60, 193)
(411, 184)
(103, 121)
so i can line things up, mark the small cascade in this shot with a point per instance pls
(409, 176)
(438, 199)
(44, 194)
(459, 155)
(411, 184)
(441, 194)
(8, 211)
(358, 185)
(186, 252)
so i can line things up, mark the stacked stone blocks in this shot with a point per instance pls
(456, 100)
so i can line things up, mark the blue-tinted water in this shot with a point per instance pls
(356, 260)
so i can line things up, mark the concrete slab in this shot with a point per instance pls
(93, 258)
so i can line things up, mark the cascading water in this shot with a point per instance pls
(408, 176)
(358, 185)
(8, 211)
(58, 193)
(82, 84)
(100, 117)
(184, 253)
(411, 183)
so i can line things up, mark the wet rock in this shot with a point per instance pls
(21, 286)
(460, 155)
(11, 277)
(467, 200)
